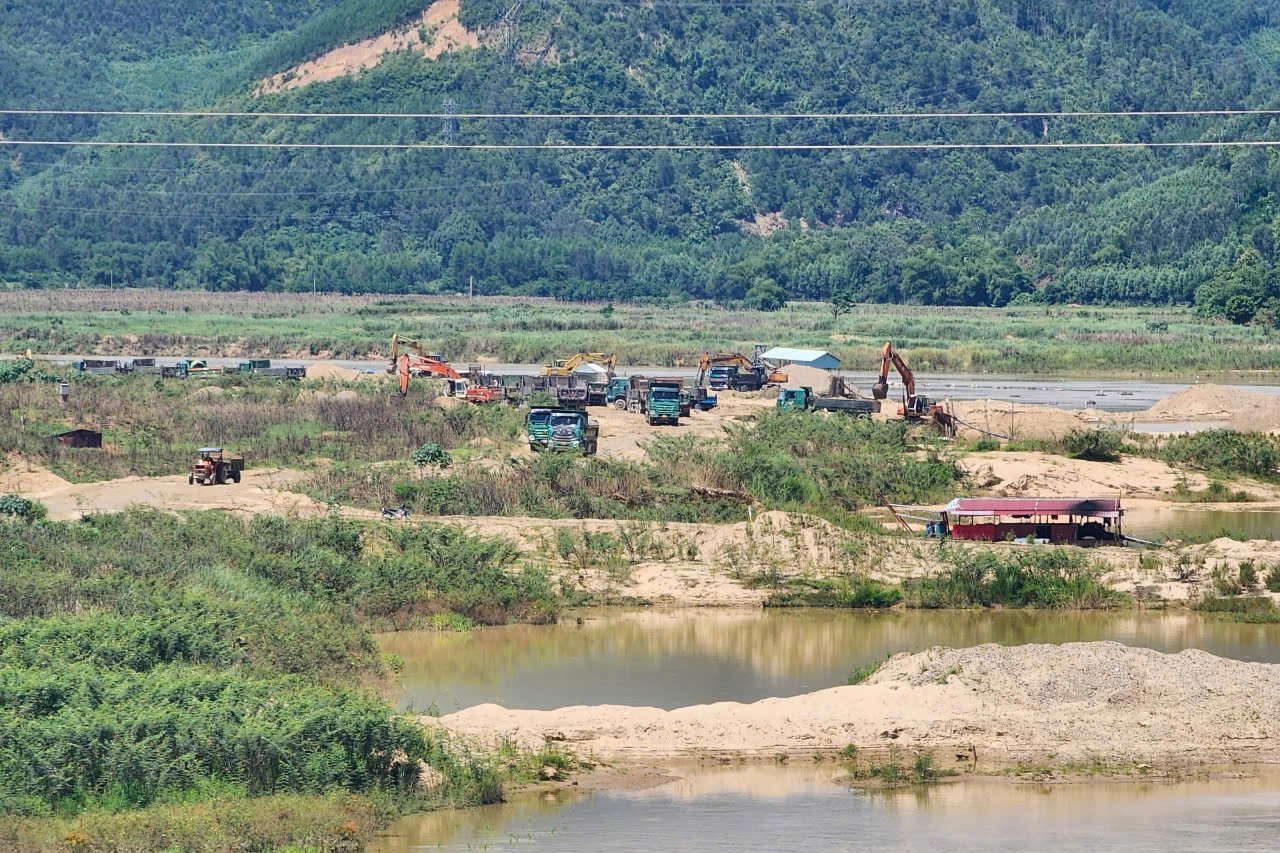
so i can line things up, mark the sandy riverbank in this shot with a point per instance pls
(1079, 702)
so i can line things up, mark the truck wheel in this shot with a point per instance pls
(620, 403)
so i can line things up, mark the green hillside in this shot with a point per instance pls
(1148, 225)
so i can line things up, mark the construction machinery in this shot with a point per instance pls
(914, 407)
(562, 429)
(566, 366)
(735, 372)
(215, 468)
(418, 363)
(804, 400)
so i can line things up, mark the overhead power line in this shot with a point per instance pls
(780, 116)
(643, 146)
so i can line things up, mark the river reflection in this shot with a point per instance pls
(808, 808)
(672, 658)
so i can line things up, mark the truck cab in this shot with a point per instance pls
(562, 429)
(617, 390)
(663, 403)
(794, 399)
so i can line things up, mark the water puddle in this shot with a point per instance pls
(807, 808)
(1158, 523)
(673, 658)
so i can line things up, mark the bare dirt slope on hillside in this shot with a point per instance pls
(1080, 702)
(444, 34)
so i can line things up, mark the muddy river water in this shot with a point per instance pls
(681, 657)
(789, 808)
(673, 658)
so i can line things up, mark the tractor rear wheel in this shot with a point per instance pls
(191, 479)
(235, 477)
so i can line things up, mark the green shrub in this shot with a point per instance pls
(861, 673)
(149, 657)
(1096, 445)
(23, 508)
(432, 455)
(856, 593)
(1228, 451)
(1273, 578)
(1032, 577)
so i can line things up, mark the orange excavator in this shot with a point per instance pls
(420, 363)
(913, 408)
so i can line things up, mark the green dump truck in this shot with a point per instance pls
(562, 429)
(804, 400)
(662, 404)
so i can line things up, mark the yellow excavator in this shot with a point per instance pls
(913, 408)
(565, 367)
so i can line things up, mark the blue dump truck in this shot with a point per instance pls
(562, 429)
(662, 404)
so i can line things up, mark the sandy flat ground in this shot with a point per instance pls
(1079, 702)
(259, 491)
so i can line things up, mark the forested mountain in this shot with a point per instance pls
(953, 227)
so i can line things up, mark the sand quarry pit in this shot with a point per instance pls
(1079, 702)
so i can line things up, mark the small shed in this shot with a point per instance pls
(78, 438)
(1058, 520)
(820, 359)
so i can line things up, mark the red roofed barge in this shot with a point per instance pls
(1062, 521)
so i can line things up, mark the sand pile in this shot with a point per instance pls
(1015, 420)
(332, 371)
(798, 375)
(21, 477)
(209, 392)
(1076, 702)
(1244, 409)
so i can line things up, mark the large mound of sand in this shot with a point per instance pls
(332, 371)
(1243, 408)
(1005, 419)
(1076, 702)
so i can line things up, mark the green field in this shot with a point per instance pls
(1030, 339)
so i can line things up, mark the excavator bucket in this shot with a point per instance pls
(880, 390)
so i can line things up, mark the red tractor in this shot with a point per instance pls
(215, 468)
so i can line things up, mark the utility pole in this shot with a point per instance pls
(506, 28)
(471, 289)
(451, 119)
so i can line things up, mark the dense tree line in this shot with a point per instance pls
(965, 227)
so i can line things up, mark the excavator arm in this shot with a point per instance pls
(406, 366)
(572, 363)
(889, 357)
